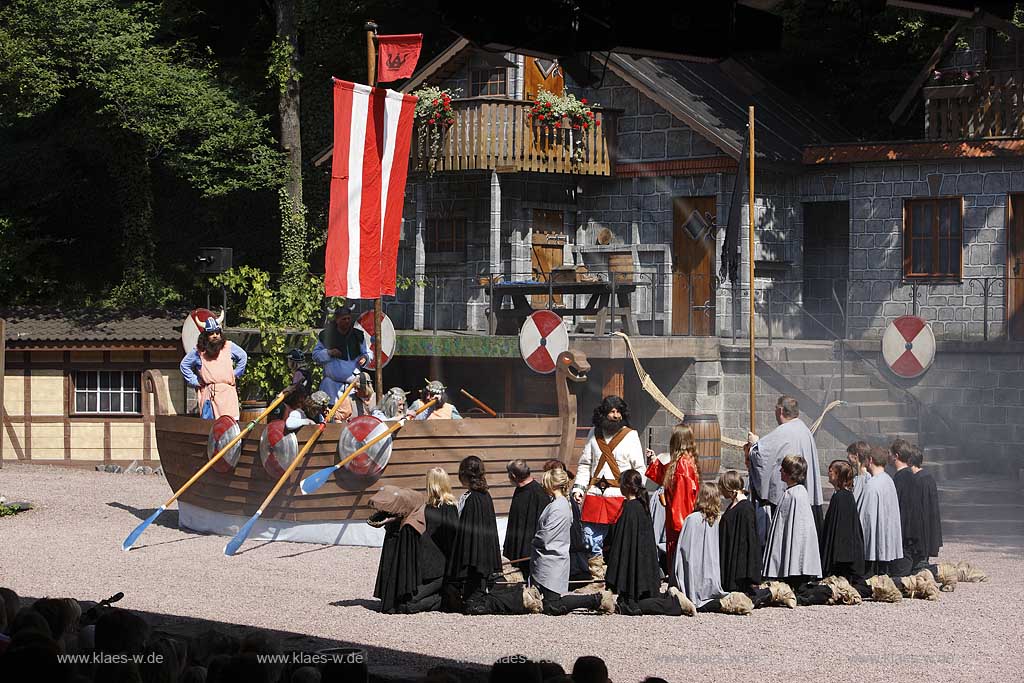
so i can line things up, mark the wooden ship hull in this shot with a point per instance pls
(220, 502)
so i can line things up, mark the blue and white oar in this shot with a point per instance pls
(235, 543)
(314, 481)
(134, 535)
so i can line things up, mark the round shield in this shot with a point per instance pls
(908, 346)
(224, 429)
(364, 469)
(387, 349)
(277, 449)
(541, 339)
(194, 324)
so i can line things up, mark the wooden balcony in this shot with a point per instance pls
(989, 106)
(496, 133)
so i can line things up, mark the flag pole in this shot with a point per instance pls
(750, 253)
(378, 308)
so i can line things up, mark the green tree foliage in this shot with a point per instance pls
(98, 64)
(294, 305)
(850, 62)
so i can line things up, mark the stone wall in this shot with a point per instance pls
(975, 393)
(878, 293)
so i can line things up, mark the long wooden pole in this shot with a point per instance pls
(378, 308)
(750, 258)
(236, 542)
(134, 535)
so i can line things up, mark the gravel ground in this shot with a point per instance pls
(320, 596)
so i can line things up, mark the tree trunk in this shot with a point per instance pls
(293, 228)
(288, 97)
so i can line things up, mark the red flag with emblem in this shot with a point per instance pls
(397, 56)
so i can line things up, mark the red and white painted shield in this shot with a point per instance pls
(224, 429)
(908, 346)
(364, 469)
(277, 448)
(387, 349)
(194, 324)
(541, 339)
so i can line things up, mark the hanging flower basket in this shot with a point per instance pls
(434, 116)
(552, 112)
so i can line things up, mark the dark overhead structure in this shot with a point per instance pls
(554, 28)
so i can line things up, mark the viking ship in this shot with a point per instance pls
(221, 501)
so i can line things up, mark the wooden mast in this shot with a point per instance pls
(378, 308)
(750, 253)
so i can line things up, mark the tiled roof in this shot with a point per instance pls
(36, 324)
(911, 151)
(697, 166)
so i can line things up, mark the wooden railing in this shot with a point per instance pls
(495, 133)
(990, 106)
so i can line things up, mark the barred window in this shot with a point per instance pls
(445, 235)
(107, 391)
(488, 82)
(932, 238)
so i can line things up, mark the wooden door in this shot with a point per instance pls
(546, 251)
(693, 266)
(541, 74)
(1015, 268)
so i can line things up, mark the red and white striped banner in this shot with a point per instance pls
(372, 134)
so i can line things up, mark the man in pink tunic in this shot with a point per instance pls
(213, 373)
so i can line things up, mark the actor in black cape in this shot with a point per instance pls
(931, 538)
(411, 569)
(908, 491)
(842, 536)
(631, 555)
(475, 555)
(528, 501)
(739, 548)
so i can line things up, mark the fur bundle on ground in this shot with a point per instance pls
(782, 594)
(947, 577)
(920, 585)
(883, 589)
(736, 603)
(967, 573)
(532, 600)
(842, 592)
(689, 609)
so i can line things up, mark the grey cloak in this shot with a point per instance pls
(549, 561)
(858, 484)
(658, 519)
(879, 510)
(792, 546)
(791, 438)
(697, 567)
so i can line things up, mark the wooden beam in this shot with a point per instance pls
(613, 378)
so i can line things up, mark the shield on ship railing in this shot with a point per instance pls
(277, 449)
(224, 429)
(365, 469)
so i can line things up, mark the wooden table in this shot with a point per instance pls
(600, 294)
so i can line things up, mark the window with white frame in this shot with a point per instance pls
(107, 391)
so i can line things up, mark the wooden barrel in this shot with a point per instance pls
(708, 435)
(250, 410)
(621, 266)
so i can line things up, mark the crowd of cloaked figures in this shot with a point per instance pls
(875, 542)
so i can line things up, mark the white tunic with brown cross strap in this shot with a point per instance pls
(598, 470)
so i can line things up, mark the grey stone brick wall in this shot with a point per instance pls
(878, 291)
(978, 398)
